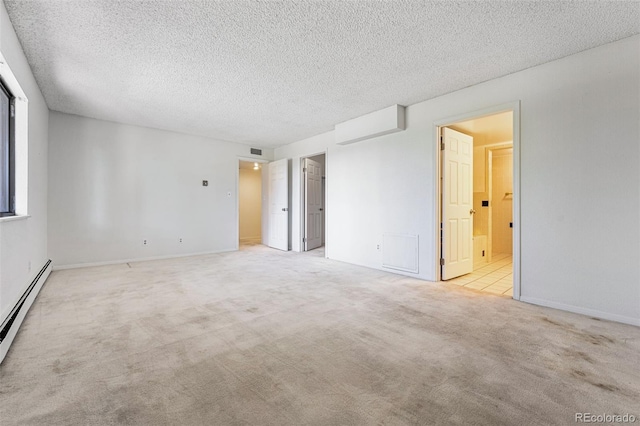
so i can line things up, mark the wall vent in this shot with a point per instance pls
(256, 151)
(400, 252)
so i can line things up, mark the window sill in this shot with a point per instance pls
(12, 218)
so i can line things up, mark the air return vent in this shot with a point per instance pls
(400, 252)
(256, 151)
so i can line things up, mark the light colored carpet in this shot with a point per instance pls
(273, 338)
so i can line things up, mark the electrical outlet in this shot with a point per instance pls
(180, 239)
(378, 247)
(144, 242)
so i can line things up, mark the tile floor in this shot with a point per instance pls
(495, 277)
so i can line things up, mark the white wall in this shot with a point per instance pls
(23, 243)
(250, 203)
(580, 170)
(111, 186)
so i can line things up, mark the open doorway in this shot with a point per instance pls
(249, 203)
(313, 202)
(477, 206)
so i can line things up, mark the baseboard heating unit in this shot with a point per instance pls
(12, 323)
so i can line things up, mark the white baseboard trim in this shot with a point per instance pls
(583, 311)
(12, 323)
(140, 259)
(418, 276)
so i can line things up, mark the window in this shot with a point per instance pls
(7, 153)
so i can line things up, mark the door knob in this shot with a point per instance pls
(472, 211)
(321, 209)
(284, 209)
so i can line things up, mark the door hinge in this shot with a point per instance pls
(441, 262)
(304, 239)
(441, 144)
(13, 110)
(304, 170)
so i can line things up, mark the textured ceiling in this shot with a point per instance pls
(272, 72)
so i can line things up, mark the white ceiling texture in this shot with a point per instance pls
(268, 73)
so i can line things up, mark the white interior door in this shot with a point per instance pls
(313, 204)
(278, 205)
(457, 204)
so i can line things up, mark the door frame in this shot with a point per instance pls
(514, 107)
(252, 160)
(303, 207)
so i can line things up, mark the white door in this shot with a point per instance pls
(313, 204)
(278, 205)
(457, 204)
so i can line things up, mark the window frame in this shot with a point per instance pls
(10, 160)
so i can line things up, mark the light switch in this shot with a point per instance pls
(205, 183)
